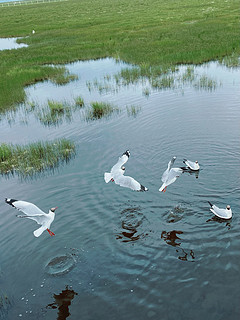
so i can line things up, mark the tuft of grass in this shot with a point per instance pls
(79, 101)
(133, 110)
(63, 76)
(54, 113)
(205, 83)
(99, 110)
(34, 158)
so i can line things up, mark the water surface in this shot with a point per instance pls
(138, 255)
(10, 43)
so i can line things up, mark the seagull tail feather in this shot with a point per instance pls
(210, 203)
(39, 231)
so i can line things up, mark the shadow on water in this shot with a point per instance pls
(62, 302)
(219, 220)
(172, 238)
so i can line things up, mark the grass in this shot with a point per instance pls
(99, 110)
(154, 33)
(34, 158)
(133, 111)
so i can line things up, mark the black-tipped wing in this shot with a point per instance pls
(129, 182)
(26, 207)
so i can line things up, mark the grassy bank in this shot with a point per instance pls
(154, 32)
(34, 158)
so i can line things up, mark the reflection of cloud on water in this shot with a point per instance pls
(62, 303)
(131, 220)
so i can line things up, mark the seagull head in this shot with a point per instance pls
(123, 168)
(53, 209)
(228, 207)
(196, 161)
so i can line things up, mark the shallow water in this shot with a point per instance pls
(10, 43)
(138, 255)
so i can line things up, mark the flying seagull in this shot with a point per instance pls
(170, 175)
(117, 175)
(34, 213)
(192, 165)
(221, 213)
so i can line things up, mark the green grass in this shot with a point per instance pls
(133, 111)
(99, 110)
(145, 33)
(79, 101)
(34, 158)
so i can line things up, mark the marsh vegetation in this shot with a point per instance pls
(27, 160)
(155, 34)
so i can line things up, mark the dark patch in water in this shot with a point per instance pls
(62, 302)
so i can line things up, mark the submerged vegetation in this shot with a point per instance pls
(153, 34)
(34, 158)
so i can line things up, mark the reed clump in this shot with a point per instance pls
(35, 157)
(99, 110)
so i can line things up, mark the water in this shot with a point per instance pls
(138, 255)
(10, 43)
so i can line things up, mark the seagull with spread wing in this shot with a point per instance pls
(34, 213)
(170, 175)
(117, 175)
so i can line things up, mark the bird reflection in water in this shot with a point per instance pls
(191, 172)
(131, 220)
(172, 239)
(62, 303)
(220, 220)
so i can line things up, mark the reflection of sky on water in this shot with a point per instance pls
(10, 43)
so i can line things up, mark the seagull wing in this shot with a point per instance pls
(40, 219)
(221, 213)
(173, 174)
(128, 182)
(26, 207)
(166, 172)
(123, 159)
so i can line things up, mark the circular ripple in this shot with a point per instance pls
(60, 265)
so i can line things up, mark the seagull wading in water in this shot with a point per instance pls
(221, 213)
(34, 213)
(117, 175)
(170, 175)
(192, 165)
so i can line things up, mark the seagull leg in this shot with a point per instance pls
(51, 233)
(112, 180)
(164, 190)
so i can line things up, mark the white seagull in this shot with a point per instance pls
(34, 213)
(117, 175)
(221, 213)
(192, 165)
(170, 175)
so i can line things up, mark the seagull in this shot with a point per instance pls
(117, 175)
(170, 175)
(33, 31)
(34, 213)
(192, 165)
(221, 213)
